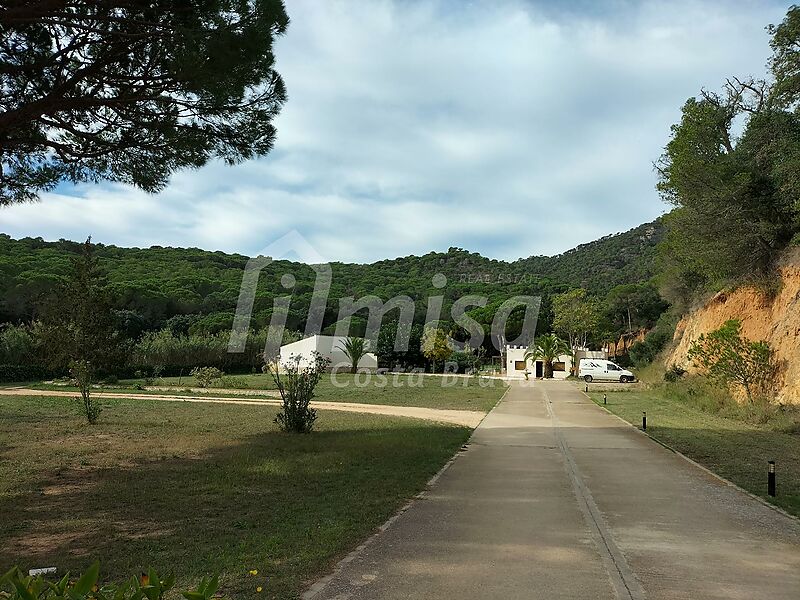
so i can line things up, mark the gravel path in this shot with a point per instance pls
(468, 418)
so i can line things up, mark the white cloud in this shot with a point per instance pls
(510, 128)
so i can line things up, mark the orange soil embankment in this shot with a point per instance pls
(774, 319)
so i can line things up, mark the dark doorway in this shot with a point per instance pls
(539, 368)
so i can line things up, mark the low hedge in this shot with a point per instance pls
(11, 373)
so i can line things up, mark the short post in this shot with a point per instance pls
(771, 478)
(605, 398)
(587, 388)
(644, 420)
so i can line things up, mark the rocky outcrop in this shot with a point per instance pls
(771, 318)
(625, 341)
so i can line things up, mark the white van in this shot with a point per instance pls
(597, 369)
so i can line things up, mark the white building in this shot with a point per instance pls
(516, 366)
(329, 346)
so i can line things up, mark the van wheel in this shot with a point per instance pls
(624, 379)
(587, 378)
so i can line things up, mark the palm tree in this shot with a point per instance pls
(354, 348)
(547, 348)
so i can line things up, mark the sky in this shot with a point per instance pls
(506, 127)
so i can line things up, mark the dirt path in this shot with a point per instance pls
(468, 418)
(199, 390)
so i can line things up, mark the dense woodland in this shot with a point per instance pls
(197, 290)
(732, 172)
(161, 295)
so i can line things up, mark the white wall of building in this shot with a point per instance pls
(583, 353)
(516, 365)
(329, 347)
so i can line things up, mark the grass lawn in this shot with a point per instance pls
(733, 448)
(161, 391)
(259, 381)
(430, 391)
(200, 488)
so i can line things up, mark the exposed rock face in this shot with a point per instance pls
(773, 319)
(625, 341)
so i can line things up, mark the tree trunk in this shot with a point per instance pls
(748, 392)
(573, 370)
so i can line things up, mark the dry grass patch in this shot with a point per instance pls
(203, 488)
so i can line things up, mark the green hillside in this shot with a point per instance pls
(151, 286)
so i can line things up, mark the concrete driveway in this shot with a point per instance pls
(555, 498)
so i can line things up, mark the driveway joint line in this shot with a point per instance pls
(624, 581)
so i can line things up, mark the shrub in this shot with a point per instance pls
(205, 376)
(177, 353)
(15, 585)
(674, 373)
(235, 383)
(459, 362)
(13, 373)
(644, 352)
(154, 375)
(17, 345)
(624, 360)
(82, 372)
(296, 386)
(732, 359)
(354, 348)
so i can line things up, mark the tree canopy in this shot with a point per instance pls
(173, 307)
(77, 323)
(737, 195)
(577, 316)
(191, 290)
(726, 355)
(132, 91)
(634, 306)
(435, 346)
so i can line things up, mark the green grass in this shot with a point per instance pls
(260, 381)
(725, 443)
(203, 488)
(430, 391)
(167, 391)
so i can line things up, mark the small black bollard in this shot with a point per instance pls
(605, 397)
(644, 421)
(587, 388)
(771, 478)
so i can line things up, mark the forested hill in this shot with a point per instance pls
(605, 263)
(151, 287)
